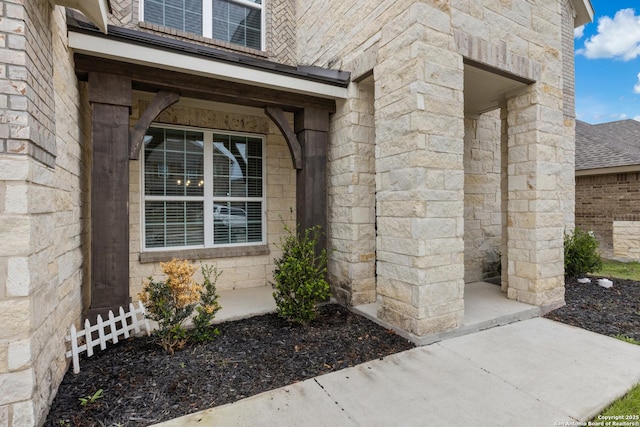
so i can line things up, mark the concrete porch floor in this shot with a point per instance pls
(485, 306)
(241, 303)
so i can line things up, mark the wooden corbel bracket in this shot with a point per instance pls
(161, 102)
(278, 117)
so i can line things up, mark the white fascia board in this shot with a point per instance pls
(584, 12)
(95, 10)
(142, 55)
(609, 170)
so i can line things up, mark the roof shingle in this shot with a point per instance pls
(607, 144)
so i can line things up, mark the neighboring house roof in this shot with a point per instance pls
(607, 145)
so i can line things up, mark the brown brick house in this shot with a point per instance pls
(608, 185)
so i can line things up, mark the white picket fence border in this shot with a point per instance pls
(136, 325)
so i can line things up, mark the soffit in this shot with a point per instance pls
(486, 90)
(584, 12)
(95, 10)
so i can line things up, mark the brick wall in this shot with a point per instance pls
(568, 63)
(603, 199)
(28, 65)
(280, 29)
(40, 202)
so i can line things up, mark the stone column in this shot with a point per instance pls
(482, 230)
(535, 222)
(419, 112)
(504, 196)
(351, 192)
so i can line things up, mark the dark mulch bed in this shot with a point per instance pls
(608, 311)
(143, 385)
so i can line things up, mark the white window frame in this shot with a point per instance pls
(207, 198)
(207, 18)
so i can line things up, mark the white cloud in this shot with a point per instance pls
(619, 116)
(617, 38)
(578, 32)
(637, 118)
(636, 87)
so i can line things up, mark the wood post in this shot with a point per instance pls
(311, 126)
(110, 99)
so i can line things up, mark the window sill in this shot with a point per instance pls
(208, 253)
(200, 39)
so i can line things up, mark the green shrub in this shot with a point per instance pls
(172, 301)
(208, 307)
(581, 254)
(299, 276)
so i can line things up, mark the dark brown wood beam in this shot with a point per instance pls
(110, 99)
(312, 129)
(278, 117)
(199, 87)
(160, 102)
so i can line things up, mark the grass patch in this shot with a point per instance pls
(629, 404)
(619, 270)
(627, 339)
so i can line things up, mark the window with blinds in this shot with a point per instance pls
(234, 21)
(202, 189)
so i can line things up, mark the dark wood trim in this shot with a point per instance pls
(312, 130)
(109, 89)
(151, 79)
(278, 117)
(312, 119)
(160, 102)
(199, 254)
(110, 98)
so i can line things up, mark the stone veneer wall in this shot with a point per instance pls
(351, 197)
(415, 51)
(626, 239)
(279, 32)
(238, 271)
(40, 207)
(603, 199)
(482, 197)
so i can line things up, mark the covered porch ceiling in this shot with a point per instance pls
(156, 63)
(486, 89)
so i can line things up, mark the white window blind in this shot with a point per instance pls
(202, 189)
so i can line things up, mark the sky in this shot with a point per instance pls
(607, 53)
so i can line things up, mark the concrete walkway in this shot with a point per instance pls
(535, 372)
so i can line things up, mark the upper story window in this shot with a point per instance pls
(236, 21)
(202, 189)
